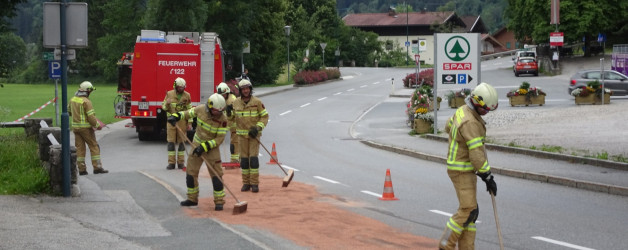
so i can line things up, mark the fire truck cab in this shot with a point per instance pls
(146, 74)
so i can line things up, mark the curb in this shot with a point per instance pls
(591, 186)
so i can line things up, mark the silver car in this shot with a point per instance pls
(613, 80)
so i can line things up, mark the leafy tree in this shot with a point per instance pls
(13, 52)
(7, 10)
(169, 15)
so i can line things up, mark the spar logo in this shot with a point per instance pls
(457, 48)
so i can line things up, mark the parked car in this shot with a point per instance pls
(526, 65)
(613, 80)
(523, 53)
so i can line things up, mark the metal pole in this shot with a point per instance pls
(288, 58)
(57, 102)
(407, 39)
(602, 77)
(65, 125)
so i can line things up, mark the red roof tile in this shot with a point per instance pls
(383, 19)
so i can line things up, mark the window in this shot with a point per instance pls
(508, 45)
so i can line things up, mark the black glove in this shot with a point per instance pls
(253, 131)
(229, 109)
(204, 147)
(491, 186)
(174, 118)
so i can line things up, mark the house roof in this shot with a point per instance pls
(385, 19)
(491, 39)
(474, 24)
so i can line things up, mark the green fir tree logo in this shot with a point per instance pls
(457, 52)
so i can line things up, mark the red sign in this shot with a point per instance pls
(556, 39)
(456, 66)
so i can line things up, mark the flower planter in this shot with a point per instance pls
(421, 126)
(521, 100)
(456, 102)
(593, 99)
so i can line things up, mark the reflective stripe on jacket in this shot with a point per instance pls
(175, 103)
(466, 150)
(249, 114)
(83, 114)
(208, 129)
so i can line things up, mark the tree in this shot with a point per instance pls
(13, 53)
(169, 15)
(7, 10)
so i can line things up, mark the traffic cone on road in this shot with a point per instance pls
(273, 156)
(389, 194)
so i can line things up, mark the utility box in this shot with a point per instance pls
(75, 23)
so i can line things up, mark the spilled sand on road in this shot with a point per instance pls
(301, 214)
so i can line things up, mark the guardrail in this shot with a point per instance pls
(497, 55)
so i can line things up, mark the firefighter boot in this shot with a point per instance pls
(188, 203)
(219, 193)
(254, 188)
(82, 168)
(218, 207)
(98, 168)
(192, 194)
(170, 166)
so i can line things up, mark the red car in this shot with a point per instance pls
(526, 65)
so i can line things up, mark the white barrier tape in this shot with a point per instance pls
(36, 110)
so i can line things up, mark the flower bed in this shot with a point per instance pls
(426, 77)
(310, 77)
(421, 103)
(525, 95)
(456, 99)
(591, 94)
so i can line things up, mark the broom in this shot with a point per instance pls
(289, 175)
(241, 206)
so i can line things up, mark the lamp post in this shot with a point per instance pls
(287, 30)
(323, 45)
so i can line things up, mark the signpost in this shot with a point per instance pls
(457, 62)
(556, 39)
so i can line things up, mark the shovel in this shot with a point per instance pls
(289, 175)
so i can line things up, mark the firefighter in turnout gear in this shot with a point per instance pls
(84, 122)
(251, 119)
(176, 100)
(466, 158)
(211, 130)
(224, 90)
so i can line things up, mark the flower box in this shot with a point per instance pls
(593, 99)
(456, 102)
(521, 100)
(422, 126)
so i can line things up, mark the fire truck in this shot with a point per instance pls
(147, 73)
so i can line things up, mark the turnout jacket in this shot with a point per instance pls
(231, 119)
(82, 112)
(174, 102)
(466, 151)
(208, 129)
(249, 114)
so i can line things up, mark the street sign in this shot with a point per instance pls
(457, 58)
(407, 44)
(48, 56)
(601, 38)
(417, 58)
(54, 69)
(556, 39)
(76, 25)
(246, 47)
(422, 45)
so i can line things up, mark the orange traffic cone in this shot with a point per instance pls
(389, 194)
(273, 156)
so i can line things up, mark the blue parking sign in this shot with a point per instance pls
(462, 79)
(54, 69)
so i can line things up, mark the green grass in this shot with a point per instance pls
(20, 170)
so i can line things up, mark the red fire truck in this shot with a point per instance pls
(146, 74)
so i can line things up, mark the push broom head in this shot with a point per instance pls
(240, 207)
(288, 178)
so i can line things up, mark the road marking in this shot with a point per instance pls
(346, 77)
(441, 212)
(285, 112)
(163, 183)
(562, 243)
(376, 83)
(348, 90)
(305, 105)
(372, 193)
(338, 93)
(322, 98)
(325, 179)
(284, 166)
(363, 86)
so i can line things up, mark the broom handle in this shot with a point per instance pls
(208, 165)
(271, 156)
(499, 230)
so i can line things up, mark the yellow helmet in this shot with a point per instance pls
(485, 96)
(223, 88)
(216, 101)
(86, 86)
(179, 82)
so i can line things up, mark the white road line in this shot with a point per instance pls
(284, 166)
(320, 99)
(348, 90)
(376, 83)
(363, 86)
(327, 180)
(441, 212)
(372, 193)
(347, 77)
(305, 105)
(285, 112)
(561, 243)
(338, 93)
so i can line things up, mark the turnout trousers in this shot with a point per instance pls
(87, 136)
(175, 138)
(249, 162)
(460, 228)
(194, 166)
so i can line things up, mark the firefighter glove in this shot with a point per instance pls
(174, 118)
(491, 186)
(253, 131)
(229, 110)
(204, 147)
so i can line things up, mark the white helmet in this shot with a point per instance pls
(86, 86)
(245, 83)
(223, 88)
(484, 96)
(216, 101)
(179, 82)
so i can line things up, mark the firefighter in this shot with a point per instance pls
(224, 90)
(251, 119)
(467, 158)
(176, 100)
(211, 130)
(84, 122)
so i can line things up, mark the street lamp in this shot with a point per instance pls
(323, 45)
(287, 29)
